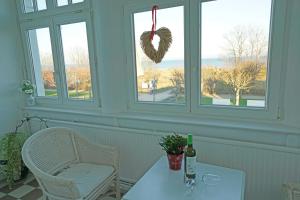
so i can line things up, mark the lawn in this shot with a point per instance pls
(72, 94)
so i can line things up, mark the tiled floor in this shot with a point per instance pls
(24, 190)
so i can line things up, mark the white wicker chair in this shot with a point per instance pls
(67, 166)
(291, 191)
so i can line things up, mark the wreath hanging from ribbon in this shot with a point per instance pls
(164, 43)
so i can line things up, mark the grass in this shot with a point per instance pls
(71, 93)
(206, 100)
(209, 101)
(242, 103)
(50, 92)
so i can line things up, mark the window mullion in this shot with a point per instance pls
(35, 6)
(50, 4)
(195, 52)
(187, 55)
(92, 57)
(58, 62)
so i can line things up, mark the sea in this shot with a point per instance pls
(215, 62)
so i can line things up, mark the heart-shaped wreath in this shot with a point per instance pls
(164, 44)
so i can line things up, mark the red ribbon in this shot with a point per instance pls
(154, 9)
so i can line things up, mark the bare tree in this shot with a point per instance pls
(152, 74)
(177, 80)
(244, 44)
(257, 44)
(79, 74)
(46, 59)
(246, 47)
(241, 77)
(79, 57)
(210, 77)
(236, 46)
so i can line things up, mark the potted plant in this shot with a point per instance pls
(13, 167)
(28, 89)
(174, 146)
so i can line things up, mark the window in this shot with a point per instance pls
(59, 53)
(41, 4)
(162, 82)
(227, 56)
(42, 59)
(29, 6)
(67, 2)
(76, 57)
(34, 5)
(234, 52)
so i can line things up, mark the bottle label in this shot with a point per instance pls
(191, 165)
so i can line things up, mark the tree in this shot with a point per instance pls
(242, 77)
(210, 77)
(244, 44)
(79, 57)
(47, 70)
(151, 73)
(79, 75)
(246, 48)
(177, 80)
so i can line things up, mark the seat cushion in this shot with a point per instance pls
(86, 176)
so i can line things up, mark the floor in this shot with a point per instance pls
(24, 190)
(27, 189)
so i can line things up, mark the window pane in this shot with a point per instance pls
(41, 52)
(234, 52)
(28, 6)
(77, 1)
(41, 4)
(162, 82)
(76, 56)
(62, 2)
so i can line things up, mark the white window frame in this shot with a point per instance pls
(53, 18)
(133, 103)
(192, 10)
(275, 62)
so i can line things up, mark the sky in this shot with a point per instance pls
(73, 37)
(218, 18)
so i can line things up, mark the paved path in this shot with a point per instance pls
(158, 96)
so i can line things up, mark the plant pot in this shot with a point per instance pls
(23, 173)
(30, 100)
(175, 161)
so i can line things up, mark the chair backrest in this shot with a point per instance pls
(50, 150)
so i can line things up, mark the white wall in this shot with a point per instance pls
(268, 151)
(10, 68)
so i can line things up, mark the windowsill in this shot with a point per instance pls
(90, 111)
(117, 119)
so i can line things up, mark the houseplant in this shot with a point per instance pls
(12, 166)
(174, 146)
(11, 145)
(28, 88)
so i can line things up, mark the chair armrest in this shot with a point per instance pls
(291, 191)
(96, 153)
(54, 184)
(59, 187)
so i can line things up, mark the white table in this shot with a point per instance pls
(160, 183)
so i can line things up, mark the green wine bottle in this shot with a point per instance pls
(190, 162)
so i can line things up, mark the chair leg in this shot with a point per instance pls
(118, 191)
